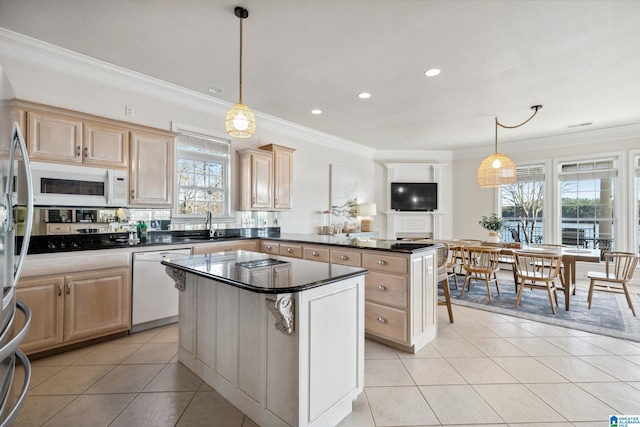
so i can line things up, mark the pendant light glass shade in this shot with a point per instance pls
(240, 121)
(496, 170)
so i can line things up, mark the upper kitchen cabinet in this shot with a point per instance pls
(105, 145)
(256, 180)
(266, 178)
(76, 138)
(54, 137)
(282, 175)
(151, 169)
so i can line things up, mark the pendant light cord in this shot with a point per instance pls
(241, 19)
(535, 108)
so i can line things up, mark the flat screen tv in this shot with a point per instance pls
(414, 196)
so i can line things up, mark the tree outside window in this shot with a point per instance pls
(522, 205)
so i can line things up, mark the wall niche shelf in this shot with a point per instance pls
(410, 224)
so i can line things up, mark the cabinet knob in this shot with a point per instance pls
(133, 193)
(382, 320)
(344, 257)
(382, 288)
(382, 262)
(86, 152)
(315, 253)
(290, 250)
(78, 151)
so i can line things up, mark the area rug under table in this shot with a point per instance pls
(609, 314)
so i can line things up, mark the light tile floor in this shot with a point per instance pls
(484, 369)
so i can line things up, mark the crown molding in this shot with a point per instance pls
(37, 53)
(603, 135)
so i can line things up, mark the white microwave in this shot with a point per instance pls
(68, 185)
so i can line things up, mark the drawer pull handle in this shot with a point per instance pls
(344, 257)
(290, 250)
(86, 152)
(269, 247)
(382, 288)
(59, 290)
(315, 253)
(382, 320)
(78, 151)
(68, 288)
(382, 262)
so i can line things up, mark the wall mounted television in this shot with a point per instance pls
(414, 196)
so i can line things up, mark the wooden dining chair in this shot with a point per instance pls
(532, 276)
(480, 263)
(443, 278)
(555, 246)
(619, 268)
(454, 262)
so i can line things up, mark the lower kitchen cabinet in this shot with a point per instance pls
(236, 245)
(75, 307)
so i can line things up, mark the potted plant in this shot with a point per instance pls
(493, 224)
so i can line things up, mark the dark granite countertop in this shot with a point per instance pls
(94, 241)
(247, 270)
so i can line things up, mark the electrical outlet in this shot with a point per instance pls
(128, 110)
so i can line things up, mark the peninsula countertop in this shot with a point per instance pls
(254, 271)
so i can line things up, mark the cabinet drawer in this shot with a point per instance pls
(386, 289)
(270, 248)
(346, 258)
(293, 251)
(316, 254)
(391, 264)
(386, 322)
(58, 229)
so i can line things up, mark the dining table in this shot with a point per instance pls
(570, 256)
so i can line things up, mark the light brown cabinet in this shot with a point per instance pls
(282, 175)
(244, 245)
(151, 169)
(75, 307)
(69, 139)
(105, 145)
(54, 137)
(266, 178)
(256, 180)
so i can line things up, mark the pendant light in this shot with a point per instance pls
(240, 121)
(497, 169)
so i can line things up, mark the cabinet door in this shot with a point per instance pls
(105, 145)
(54, 137)
(283, 178)
(151, 172)
(97, 303)
(261, 181)
(44, 297)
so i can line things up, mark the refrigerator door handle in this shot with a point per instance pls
(18, 140)
(13, 412)
(11, 346)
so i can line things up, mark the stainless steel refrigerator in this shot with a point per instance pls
(12, 151)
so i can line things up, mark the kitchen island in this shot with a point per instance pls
(280, 338)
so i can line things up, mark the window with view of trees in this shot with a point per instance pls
(587, 190)
(522, 205)
(203, 175)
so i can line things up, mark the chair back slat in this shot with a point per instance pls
(620, 265)
(480, 258)
(538, 265)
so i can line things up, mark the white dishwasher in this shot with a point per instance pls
(155, 297)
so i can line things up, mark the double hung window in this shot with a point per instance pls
(203, 175)
(522, 205)
(587, 194)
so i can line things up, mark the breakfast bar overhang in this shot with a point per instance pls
(280, 338)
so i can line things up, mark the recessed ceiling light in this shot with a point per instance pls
(215, 89)
(364, 95)
(316, 111)
(432, 72)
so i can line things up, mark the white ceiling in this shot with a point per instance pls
(580, 59)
